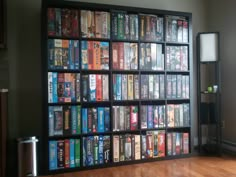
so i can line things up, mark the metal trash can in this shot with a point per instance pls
(27, 156)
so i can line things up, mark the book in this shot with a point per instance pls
(60, 154)
(77, 152)
(53, 155)
(116, 148)
(106, 148)
(100, 124)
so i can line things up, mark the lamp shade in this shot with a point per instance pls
(209, 47)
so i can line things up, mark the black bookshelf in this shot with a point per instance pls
(110, 72)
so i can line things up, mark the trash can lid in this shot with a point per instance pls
(27, 139)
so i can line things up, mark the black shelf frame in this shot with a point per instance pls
(109, 8)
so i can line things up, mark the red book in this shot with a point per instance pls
(115, 59)
(121, 55)
(67, 153)
(74, 23)
(185, 143)
(149, 141)
(90, 55)
(161, 144)
(99, 87)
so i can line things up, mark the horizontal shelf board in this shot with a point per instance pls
(153, 129)
(152, 72)
(64, 70)
(153, 102)
(125, 102)
(62, 137)
(62, 104)
(173, 100)
(177, 43)
(151, 41)
(127, 132)
(95, 71)
(178, 128)
(177, 72)
(96, 133)
(63, 37)
(125, 71)
(95, 39)
(124, 40)
(96, 103)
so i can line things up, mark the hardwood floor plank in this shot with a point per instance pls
(187, 167)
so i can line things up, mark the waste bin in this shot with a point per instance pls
(27, 156)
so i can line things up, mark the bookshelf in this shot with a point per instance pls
(117, 85)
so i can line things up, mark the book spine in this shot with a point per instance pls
(92, 87)
(77, 152)
(118, 86)
(143, 116)
(74, 119)
(90, 151)
(105, 87)
(100, 150)
(101, 116)
(60, 153)
(124, 86)
(133, 117)
(150, 117)
(116, 148)
(107, 119)
(67, 153)
(85, 120)
(144, 147)
(50, 87)
(96, 150)
(106, 149)
(53, 155)
(137, 148)
(99, 87)
(72, 153)
(130, 86)
(84, 54)
(136, 87)
(50, 121)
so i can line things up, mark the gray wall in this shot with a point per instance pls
(24, 61)
(221, 18)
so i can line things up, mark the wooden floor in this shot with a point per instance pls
(187, 167)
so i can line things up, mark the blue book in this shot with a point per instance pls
(100, 150)
(54, 87)
(118, 87)
(84, 151)
(107, 119)
(52, 155)
(76, 53)
(71, 55)
(150, 117)
(89, 151)
(72, 153)
(73, 120)
(51, 121)
(85, 120)
(101, 116)
(84, 55)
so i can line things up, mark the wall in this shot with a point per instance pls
(24, 61)
(222, 18)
